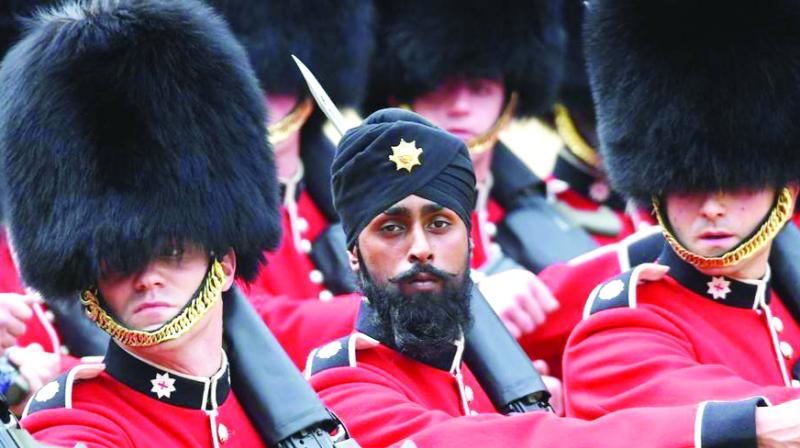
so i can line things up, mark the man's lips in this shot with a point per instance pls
(461, 133)
(149, 305)
(715, 234)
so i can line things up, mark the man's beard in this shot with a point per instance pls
(422, 325)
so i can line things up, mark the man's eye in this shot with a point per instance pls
(173, 252)
(391, 228)
(440, 224)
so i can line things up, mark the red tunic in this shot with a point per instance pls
(288, 271)
(484, 229)
(40, 327)
(571, 284)
(126, 410)
(289, 292)
(387, 399)
(681, 340)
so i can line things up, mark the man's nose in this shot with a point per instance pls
(461, 103)
(148, 278)
(420, 250)
(714, 206)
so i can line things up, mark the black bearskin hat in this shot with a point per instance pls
(332, 37)
(11, 14)
(127, 125)
(696, 95)
(575, 92)
(421, 43)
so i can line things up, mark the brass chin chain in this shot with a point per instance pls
(209, 294)
(292, 122)
(778, 217)
(484, 142)
(572, 138)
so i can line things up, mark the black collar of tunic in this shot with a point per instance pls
(720, 289)
(176, 389)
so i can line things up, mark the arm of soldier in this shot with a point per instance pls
(15, 310)
(378, 413)
(68, 427)
(634, 357)
(777, 426)
(520, 299)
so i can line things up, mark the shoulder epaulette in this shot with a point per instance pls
(57, 393)
(643, 246)
(339, 353)
(331, 355)
(618, 292)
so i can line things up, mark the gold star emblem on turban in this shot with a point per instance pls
(406, 155)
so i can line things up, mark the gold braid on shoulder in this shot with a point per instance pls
(292, 122)
(572, 138)
(207, 296)
(484, 142)
(780, 214)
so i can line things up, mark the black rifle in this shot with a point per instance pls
(282, 406)
(500, 365)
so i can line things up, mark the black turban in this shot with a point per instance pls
(370, 172)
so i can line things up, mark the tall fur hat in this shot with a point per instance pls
(696, 96)
(421, 43)
(574, 91)
(333, 38)
(11, 12)
(126, 125)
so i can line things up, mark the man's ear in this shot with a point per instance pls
(229, 267)
(352, 255)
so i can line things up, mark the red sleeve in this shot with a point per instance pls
(623, 358)
(571, 285)
(378, 414)
(68, 427)
(301, 325)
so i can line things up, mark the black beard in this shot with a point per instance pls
(423, 325)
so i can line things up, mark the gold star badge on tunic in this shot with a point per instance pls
(406, 155)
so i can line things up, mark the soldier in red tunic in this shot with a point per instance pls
(302, 291)
(138, 178)
(399, 380)
(578, 183)
(702, 124)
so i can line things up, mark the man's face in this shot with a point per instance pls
(463, 107)
(711, 224)
(279, 107)
(148, 299)
(413, 264)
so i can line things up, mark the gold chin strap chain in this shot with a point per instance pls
(572, 138)
(210, 293)
(780, 214)
(484, 142)
(292, 122)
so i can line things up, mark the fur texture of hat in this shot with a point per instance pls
(696, 96)
(420, 44)
(127, 125)
(332, 37)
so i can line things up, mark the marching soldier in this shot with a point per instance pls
(302, 290)
(700, 121)
(470, 70)
(578, 182)
(138, 177)
(29, 329)
(405, 191)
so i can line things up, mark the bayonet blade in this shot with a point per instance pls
(323, 100)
